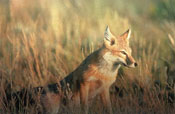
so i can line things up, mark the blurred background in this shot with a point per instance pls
(41, 41)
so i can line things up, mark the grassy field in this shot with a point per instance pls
(42, 41)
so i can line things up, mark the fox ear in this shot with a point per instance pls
(108, 35)
(126, 35)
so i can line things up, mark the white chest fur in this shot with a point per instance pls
(107, 65)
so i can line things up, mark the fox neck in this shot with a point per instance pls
(108, 65)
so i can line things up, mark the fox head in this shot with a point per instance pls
(118, 48)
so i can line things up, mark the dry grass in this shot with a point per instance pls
(42, 41)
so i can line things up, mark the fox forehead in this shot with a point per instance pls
(122, 45)
(119, 44)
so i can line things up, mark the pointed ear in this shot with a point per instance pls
(108, 38)
(108, 35)
(126, 35)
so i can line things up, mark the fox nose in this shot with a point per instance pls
(135, 64)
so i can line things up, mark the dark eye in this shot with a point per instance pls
(112, 42)
(123, 52)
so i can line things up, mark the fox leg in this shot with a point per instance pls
(84, 91)
(105, 97)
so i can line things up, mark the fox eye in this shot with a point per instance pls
(123, 52)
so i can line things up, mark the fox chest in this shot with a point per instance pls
(104, 76)
(98, 83)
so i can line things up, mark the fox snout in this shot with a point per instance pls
(131, 62)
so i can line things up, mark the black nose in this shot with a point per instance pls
(135, 64)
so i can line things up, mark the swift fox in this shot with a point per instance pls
(96, 73)
(93, 77)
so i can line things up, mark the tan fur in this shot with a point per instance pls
(96, 73)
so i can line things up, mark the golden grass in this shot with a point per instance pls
(42, 41)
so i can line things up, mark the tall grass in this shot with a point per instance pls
(42, 41)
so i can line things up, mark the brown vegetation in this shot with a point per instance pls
(42, 41)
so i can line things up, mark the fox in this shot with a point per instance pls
(93, 77)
